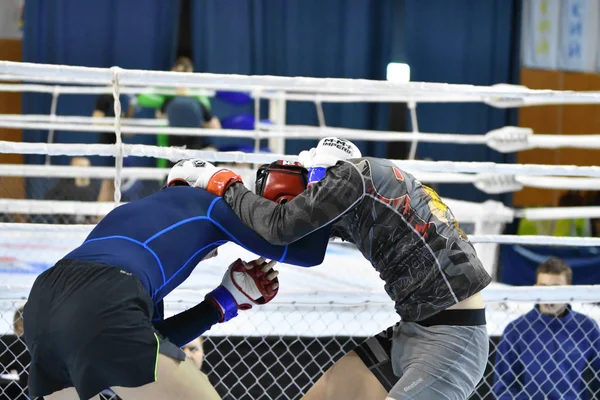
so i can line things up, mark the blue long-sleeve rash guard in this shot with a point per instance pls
(161, 239)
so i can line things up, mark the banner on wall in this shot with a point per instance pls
(11, 14)
(540, 33)
(578, 35)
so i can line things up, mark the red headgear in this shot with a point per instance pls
(281, 181)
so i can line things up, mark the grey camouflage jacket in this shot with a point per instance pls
(401, 226)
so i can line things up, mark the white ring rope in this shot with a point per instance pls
(491, 295)
(537, 240)
(555, 182)
(465, 212)
(140, 130)
(175, 154)
(49, 229)
(557, 294)
(119, 142)
(507, 139)
(139, 150)
(67, 171)
(412, 107)
(63, 171)
(501, 95)
(36, 207)
(276, 94)
(60, 89)
(74, 119)
(554, 213)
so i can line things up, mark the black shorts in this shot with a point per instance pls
(88, 326)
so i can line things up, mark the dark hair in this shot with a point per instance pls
(18, 317)
(555, 266)
(185, 62)
(571, 198)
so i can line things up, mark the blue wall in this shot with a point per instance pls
(463, 41)
(470, 42)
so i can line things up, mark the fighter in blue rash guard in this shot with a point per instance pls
(112, 286)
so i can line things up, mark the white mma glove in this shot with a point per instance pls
(328, 152)
(245, 284)
(202, 174)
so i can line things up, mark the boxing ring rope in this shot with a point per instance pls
(73, 119)
(58, 89)
(498, 294)
(62, 207)
(496, 98)
(61, 171)
(507, 139)
(174, 154)
(489, 177)
(415, 91)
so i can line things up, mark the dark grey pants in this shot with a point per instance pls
(438, 362)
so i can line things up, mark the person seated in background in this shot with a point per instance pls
(209, 121)
(18, 322)
(594, 200)
(544, 353)
(194, 350)
(183, 110)
(561, 227)
(69, 189)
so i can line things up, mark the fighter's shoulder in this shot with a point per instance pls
(372, 166)
(352, 169)
(185, 192)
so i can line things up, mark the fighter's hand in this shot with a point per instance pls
(202, 174)
(328, 152)
(243, 285)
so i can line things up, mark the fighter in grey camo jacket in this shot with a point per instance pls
(431, 271)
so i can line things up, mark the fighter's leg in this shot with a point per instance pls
(438, 362)
(174, 380)
(348, 379)
(365, 373)
(66, 394)
(417, 384)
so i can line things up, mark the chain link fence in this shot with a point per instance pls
(532, 355)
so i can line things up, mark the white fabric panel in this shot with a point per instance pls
(578, 43)
(540, 33)
(10, 15)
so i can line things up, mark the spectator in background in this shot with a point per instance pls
(561, 227)
(194, 351)
(544, 353)
(209, 121)
(183, 110)
(18, 321)
(77, 189)
(594, 200)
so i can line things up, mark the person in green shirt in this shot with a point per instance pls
(182, 110)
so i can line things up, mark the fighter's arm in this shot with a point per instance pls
(243, 285)
(319, 205)
(188, 325)
(306, 252)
